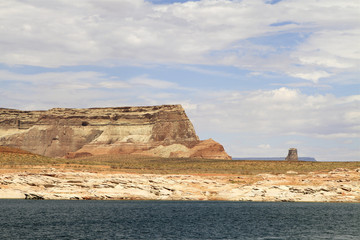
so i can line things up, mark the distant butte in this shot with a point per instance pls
(292, 155)
(163, 131)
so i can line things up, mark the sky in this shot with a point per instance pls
(258, 76)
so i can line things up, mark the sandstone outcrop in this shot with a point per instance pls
(292, 155)
(340, 185)
(163, 131)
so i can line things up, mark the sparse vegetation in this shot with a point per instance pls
(141, 164)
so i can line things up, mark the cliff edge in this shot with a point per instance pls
(163, 131)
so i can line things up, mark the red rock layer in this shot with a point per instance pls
(151, 130)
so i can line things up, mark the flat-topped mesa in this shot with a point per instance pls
(149, 130)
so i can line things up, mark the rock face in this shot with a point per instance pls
(292, 155)
(339, 185)
(153, 130)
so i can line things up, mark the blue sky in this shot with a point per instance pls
(257, 76)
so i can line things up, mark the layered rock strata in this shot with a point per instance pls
(340, 185)
(163, 131)
(292, 155)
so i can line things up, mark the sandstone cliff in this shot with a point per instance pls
(163, 131)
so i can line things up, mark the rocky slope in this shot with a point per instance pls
(154, 130)
(340, 185)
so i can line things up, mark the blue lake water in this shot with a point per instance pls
(36, 219)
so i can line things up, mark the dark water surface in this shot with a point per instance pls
(31, 219)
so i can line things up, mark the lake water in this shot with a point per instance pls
(32, 219)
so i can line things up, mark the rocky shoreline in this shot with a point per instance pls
(339, 185)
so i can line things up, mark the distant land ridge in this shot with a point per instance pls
(163, 131)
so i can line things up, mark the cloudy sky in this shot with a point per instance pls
(258, 76)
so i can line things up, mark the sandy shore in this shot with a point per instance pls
(340, 185)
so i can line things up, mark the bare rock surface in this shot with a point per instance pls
(341, 185)
(151, 130)
(292, 155)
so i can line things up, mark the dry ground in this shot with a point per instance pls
(12, 160)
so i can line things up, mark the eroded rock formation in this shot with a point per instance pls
(292, 155)
(339, 185)
(163, 131)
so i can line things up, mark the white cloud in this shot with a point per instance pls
(82, 89)
(313, 76)
(303, 84)
(209, 72)
(281, 111)
(331, 49)
(56, 33)
(154, 83)
(264, 146)
(114, 84)
(85, 79)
